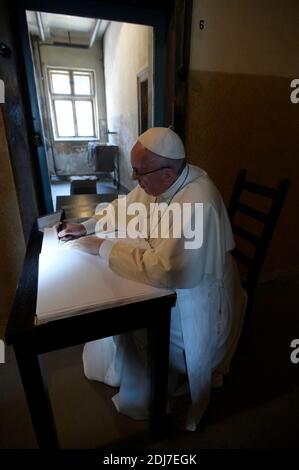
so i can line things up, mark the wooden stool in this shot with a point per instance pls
(83, 186)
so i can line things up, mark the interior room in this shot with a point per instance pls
(93, 95)
(79, 83)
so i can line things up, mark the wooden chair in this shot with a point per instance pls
(256, 241)
(105, 158)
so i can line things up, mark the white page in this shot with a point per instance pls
(48, 220)
(51, 241)
(72, 282)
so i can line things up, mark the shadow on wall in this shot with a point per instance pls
(247, 121)
(12, 244)
(124, 139)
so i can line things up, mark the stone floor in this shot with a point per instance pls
(258, 407)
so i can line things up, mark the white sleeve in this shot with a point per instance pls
(90, 225)
(106, 248)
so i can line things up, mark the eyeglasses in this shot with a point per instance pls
(136, 173)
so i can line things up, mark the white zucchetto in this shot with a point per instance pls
(164, 142)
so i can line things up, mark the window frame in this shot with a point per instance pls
(73, 98)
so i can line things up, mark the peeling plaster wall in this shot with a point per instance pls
(127, 51)
(70, 157)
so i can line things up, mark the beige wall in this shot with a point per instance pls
(12, 245)
(71, 157)
(239, 113)
(127, 51)
(246, 36)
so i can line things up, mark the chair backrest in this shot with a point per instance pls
(102, 156)
(266, 219)
(105, 157)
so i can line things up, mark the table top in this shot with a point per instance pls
(82, 205)
(21, 327)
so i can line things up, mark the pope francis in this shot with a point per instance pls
(207, 318)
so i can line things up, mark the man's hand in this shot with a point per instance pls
(88, 244)
(67, 231)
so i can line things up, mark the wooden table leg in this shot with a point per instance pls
(37, 397)
(158, 338)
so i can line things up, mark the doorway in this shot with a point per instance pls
(91, 87)
(149, 16)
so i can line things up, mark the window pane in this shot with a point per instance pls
(61, 83)
(84, 117)
(82, 84)
(64, 118)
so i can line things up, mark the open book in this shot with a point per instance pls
(71, 282)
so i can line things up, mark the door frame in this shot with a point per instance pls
(155, 14)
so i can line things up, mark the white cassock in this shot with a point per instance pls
(207, 318)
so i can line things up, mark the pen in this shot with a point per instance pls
(59, 228)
